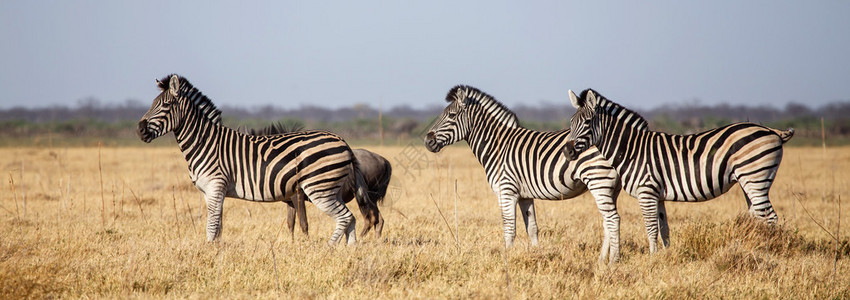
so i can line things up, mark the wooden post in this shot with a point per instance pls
(823, 144)
(12, 184)
(381, 121)
(102, 201)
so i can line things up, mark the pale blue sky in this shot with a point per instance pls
(639, 53)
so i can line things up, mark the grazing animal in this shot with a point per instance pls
(523, 164)
(657, 167)
(223, 162)
(376, 170)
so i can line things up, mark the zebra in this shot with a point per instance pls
(225, 163)
(376, 170)
(657, 167)
(522, 164)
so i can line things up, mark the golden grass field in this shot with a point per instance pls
(143, 236)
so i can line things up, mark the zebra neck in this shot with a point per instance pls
(486, 138)
(619, 142)
(197, 136)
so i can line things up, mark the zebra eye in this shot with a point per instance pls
(452, 115)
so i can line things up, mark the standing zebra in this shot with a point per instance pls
(523, 164)
(223, 162)
(376, 170)
(656, 166)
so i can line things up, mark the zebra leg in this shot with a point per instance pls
(756, 178)
(605, 193)
(663, 228)
(756, 193)
(507, 202)
(649, 209)
(350, 236)
(215, 206)
(529, 216)
(611, 237)
(332, 205)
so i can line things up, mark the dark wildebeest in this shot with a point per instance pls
(376, 171)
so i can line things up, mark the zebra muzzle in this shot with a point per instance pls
(431, 142)
(569, 151)
(143, 132)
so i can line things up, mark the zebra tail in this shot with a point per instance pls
(786, 135)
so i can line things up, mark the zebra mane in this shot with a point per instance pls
(201, 102)
(614, 109)
(490, 106)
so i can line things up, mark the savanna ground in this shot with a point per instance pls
(142, 235)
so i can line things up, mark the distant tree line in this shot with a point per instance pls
(90, 119)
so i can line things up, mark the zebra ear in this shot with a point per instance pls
(574, 100)
(174, 85)
(591, 100)
(461, 97)
(465, 101)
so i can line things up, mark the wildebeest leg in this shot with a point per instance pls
(663, 228)
(301, 211)
(371, 216)
(379, 226)
(529, 216)
(290, 218)
(368, 214)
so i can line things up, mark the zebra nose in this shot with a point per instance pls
(431, 142)
(569, 150)
(143, 128)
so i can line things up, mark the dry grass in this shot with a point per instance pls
(153, 241)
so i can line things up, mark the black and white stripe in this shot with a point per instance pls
(223, 162)
(377, 172)
(523, 164)
(656, 166)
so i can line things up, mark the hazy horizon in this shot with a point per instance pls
(98, 103)
(643, 55)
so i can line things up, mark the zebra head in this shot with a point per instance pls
(585, 130)
(161, 118)
(452, 125)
